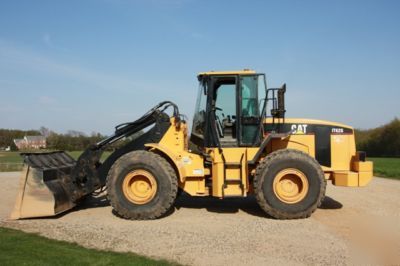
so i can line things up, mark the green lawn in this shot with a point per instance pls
(19, 248)
(386, 167)
(10, 161)
(10, 157)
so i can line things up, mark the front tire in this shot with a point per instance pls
(141, 185)
(289, 184)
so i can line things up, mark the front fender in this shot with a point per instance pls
(171, 157)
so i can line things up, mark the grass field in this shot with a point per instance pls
(10, 157)
(19, 248)
(383, 167)
(10, 161)
(386, 167)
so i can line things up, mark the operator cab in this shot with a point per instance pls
(228, 110)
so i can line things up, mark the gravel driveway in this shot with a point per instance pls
(353, 226)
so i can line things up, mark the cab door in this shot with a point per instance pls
(223, 110)
(249, 109)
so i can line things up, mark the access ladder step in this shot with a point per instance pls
(234, 196)
(233, 164)
(233, 180)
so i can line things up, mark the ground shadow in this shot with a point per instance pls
(330, 204)
(168, 213)
(248, 205)
(228, 205)
(92, 201)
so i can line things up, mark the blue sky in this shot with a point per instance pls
(89, 65)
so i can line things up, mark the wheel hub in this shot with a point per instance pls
(139, 186)
(290, 186)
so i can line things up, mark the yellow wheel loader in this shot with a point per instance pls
(240, 145)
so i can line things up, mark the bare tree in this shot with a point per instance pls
(44, 131)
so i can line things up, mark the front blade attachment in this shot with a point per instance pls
(45, 185)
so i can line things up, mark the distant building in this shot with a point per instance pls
(31, 142)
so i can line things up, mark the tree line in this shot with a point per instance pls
(70, 141)
(383, 141)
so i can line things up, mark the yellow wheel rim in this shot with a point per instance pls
(290, 185)
(139, 187)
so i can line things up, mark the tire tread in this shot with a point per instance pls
(263, 167)
(149, 158)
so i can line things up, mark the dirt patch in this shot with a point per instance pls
(207, 231)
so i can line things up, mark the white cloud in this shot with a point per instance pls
(47, 40)
(47, 100)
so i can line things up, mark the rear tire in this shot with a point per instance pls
(141, 185)
(289, 184)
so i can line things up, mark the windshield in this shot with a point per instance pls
(199, 117)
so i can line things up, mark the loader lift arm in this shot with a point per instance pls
(85, 173)
(127, 129)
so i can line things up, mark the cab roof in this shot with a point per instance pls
(233, 72)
